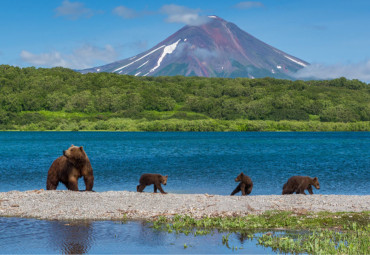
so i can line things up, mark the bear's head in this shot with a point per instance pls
(164, 179)
(75, 154)
(315, 182)
(240, 177)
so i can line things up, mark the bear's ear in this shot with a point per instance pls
(315, 179)
(166, 176)
(72, 145)
(81, 148)
(241, 173)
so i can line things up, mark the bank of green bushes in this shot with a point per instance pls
(61, 99)
(124, 124)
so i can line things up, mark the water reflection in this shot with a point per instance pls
(245, 236)
(30, 236)
(71, 237)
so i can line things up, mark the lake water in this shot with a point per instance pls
(96, 237)
(194, 162)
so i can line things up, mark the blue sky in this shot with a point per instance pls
(334, 36)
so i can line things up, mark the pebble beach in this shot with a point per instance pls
(119, 205)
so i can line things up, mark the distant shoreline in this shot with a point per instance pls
(125, 205)
(206, 125)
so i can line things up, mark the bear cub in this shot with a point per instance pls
(245, 184)
(68, 168)
(298, 184)
(149, 179)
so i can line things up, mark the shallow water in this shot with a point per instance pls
(36, 236)
(195, 162)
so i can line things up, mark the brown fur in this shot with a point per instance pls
(245, 185)
(299, 184)
(149, 179)
(68, 168)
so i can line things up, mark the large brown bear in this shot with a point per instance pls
(68, 168)
(298, 184)
(149, 179)
(245, 185)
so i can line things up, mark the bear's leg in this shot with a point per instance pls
(160, 187)
(140, 187)
(50, 185)
(52, 180)
(248, 189)
(310, 189)
(236, 190)
(72, 183)
(300, 190)
(155, 188)
(242, 187)
(89, 182)
(287, 191)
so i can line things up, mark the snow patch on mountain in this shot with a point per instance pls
(295, 61)
(139, 58)
(167, 50)
(146, 62)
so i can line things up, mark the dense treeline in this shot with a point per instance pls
(61, 99)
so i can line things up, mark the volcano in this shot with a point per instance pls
(216, 48)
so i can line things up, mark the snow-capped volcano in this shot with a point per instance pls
(216, 48)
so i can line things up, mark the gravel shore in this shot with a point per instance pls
(117, 205)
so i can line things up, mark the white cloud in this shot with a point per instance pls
(83, 57)
(125, 12)
(248, 5)
(360, 71)
(45, 59)
(73, 10)
(182, 14)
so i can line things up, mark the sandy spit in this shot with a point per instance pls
(117, 205)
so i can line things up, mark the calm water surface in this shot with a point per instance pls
(36, 236)
(195, 163)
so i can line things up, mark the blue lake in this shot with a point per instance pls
(194, 162)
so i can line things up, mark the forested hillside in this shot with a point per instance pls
(61, 99)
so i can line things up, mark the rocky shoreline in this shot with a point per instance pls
(119, 205)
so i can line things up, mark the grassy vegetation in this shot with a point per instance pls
(61, 99)
(78, 121)
(351, 239)
(314, 233)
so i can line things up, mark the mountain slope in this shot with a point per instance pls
(215, 49)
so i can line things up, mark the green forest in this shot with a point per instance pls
(62, 99)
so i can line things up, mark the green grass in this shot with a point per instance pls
(350, 240)
(164, 121)
(314, 233)
(268, 220)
